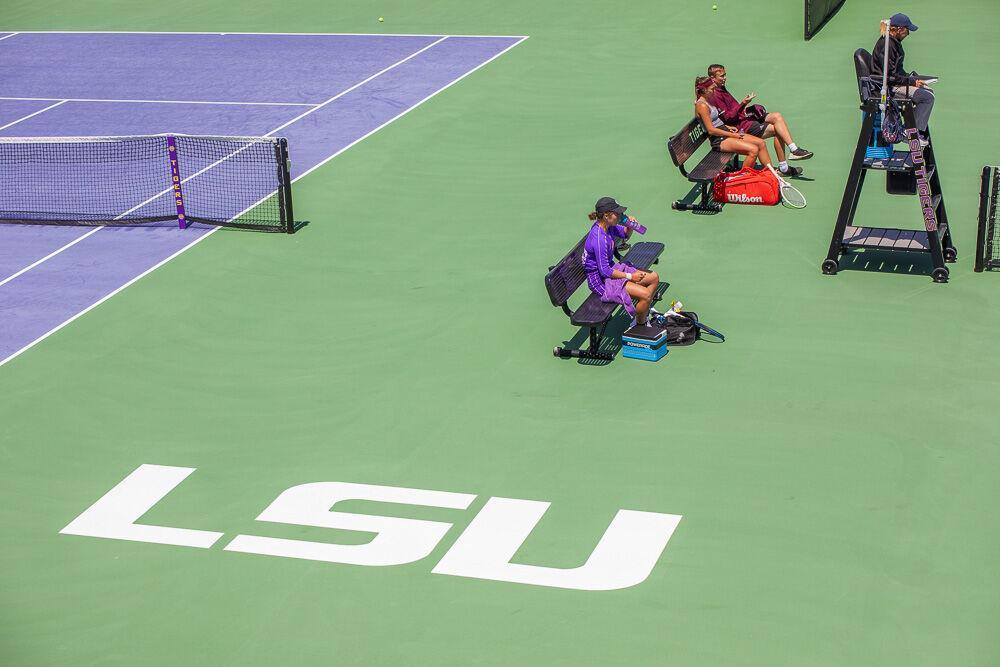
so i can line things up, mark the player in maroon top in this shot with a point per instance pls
(774, 124)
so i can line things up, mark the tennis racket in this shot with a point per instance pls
(709, 330)
(790, 196)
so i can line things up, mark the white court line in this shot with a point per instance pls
(357, 85)
(219, 161)
(104, 298)
(9, 36)
(408, 110)
(51, 106)
(284, 125)
(302, 175)
(305, 34)
(394, 118)
(51, 254)
(91, 99)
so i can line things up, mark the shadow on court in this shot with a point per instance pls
(611, 342)
(882, 261)
(694, 197)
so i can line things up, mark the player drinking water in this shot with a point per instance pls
(616, 283)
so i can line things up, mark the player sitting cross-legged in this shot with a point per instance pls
(773, 125)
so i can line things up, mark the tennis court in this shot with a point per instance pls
(182, 408)
(52, 275)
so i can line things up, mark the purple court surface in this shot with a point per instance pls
(335, 91)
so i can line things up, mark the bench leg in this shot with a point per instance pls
(706, 205)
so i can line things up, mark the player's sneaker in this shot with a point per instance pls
(800, 154)
(791, 171)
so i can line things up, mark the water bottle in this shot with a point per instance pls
(633, 224)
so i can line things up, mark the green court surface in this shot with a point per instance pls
(833, 461)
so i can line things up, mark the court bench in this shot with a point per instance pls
(568, 275)
(682, 146)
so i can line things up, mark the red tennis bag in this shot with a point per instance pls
(746, 186)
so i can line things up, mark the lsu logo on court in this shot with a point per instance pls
(743, 198)
(624, 555)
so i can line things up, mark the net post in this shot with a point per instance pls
(286, 185)
(175, 178)
(984, 196)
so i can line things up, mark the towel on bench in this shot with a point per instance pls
(615, 292)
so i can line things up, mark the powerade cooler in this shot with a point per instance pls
(644, 342)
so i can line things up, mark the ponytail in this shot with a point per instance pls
(592, 215)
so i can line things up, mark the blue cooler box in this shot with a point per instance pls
(644, 342)
(877, 149)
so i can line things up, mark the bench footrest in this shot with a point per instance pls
(574, 353)
(711, 207)
(911, 240)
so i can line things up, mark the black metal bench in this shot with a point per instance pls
(568, 275)
(681, 147)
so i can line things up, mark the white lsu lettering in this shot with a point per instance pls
(623, 557)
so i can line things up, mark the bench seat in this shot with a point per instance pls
(710, 166)
(682, 146)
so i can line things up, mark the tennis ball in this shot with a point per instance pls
(381, 20)
(715, 8)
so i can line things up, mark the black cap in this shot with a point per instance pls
(902, 21)
(605, 204)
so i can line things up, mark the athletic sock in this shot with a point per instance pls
(783, 166)
(792, 147)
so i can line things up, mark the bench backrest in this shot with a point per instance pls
(684, 144)
(863, 66)
(565, 277)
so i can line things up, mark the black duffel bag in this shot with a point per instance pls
(684, 330)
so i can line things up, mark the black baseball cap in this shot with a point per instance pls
(902, 21)
(605, 204)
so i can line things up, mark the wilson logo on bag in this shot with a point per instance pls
(746, 186)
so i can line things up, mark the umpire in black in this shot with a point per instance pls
(904, 86)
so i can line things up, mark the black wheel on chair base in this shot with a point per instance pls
(830, 267)
(939, 275)
(950, 255)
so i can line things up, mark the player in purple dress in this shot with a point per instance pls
(616, 283)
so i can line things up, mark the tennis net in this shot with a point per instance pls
(988, 237)
(238, 182)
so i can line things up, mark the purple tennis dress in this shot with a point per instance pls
(598, 251)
